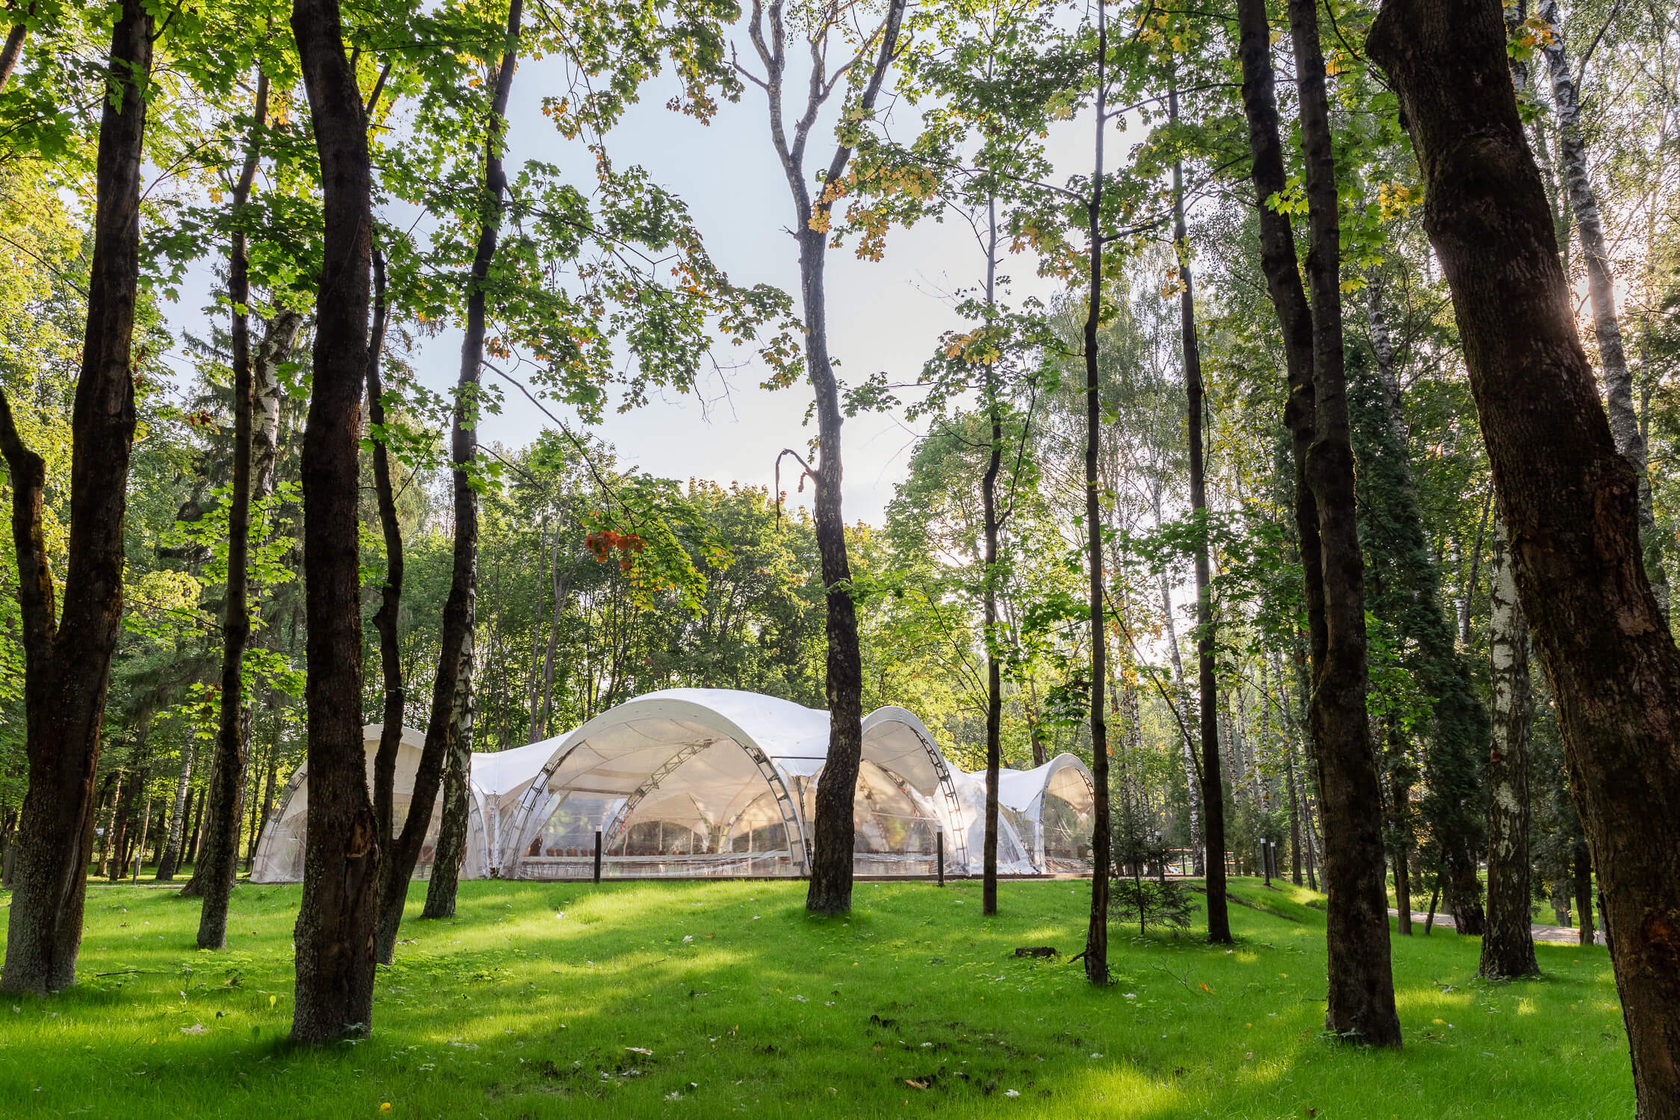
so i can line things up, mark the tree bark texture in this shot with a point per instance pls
(1361, 985)
(12, 49)
(221, 855)
(1568, 498)
(445, 879)
(994, 676)
(1508, 942)
(1349, 791)
(67, 658)
(1096, 931)
(335, 925)
(455, 636)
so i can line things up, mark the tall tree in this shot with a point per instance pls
(1096, 930)
(335, 925)
(67, 655)
(1404, 592)
(1212, 788)
(458, 615)
(1361, 995)
(221, 852)
(832, 831)
(1569, 499)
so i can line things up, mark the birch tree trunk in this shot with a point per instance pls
(177, 817)
(1508, 942)
(1601, 293)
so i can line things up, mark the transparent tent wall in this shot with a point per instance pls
(280, 848)
(1065, 816)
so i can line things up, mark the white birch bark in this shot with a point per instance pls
(1601, 293)
(1508, 944)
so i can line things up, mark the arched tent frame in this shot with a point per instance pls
(879, 727)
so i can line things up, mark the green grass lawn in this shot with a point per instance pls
(706, 999)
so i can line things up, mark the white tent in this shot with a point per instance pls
(689, 782)
(279, 857)
(720, 782)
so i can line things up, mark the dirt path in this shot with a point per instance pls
(1558, 935)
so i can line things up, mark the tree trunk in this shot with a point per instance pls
(1400, 775)
(192, 841)
(1294, 818)
(1362, 996)
(1403, 588)
(830, 890)
(253, 800)
(452, 832)
(145, 829)
(335, 925)
(1508, 942)
(67, 659)
(1361, 986)
(1601, 294)
(1186, 744)
(221, 857)
(1568, 498)
(177, 820)
(994, 676)
(390, 589)
(1096, 932)
(1213, 798)
(120, 814)
(12, 50)
(1584, 891)
(455, 638)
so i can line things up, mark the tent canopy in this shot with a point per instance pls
(721, 782)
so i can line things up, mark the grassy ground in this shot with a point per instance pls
(704, 999)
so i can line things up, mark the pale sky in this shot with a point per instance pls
(885, 315)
